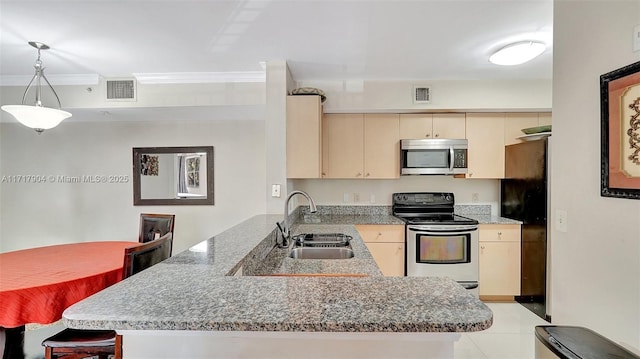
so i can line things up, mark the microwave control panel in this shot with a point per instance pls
(459, 158)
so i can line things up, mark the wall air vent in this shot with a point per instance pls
(421, 94)
(121, 89)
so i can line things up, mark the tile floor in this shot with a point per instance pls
(510, 337)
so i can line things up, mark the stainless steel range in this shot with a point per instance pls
(438, 242)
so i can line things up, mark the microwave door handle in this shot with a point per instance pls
(451, 157)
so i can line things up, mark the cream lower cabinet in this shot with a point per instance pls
(499, 263)
(386, 245)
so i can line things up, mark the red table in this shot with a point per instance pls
(38, 284)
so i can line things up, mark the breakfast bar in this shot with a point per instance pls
(222, 298)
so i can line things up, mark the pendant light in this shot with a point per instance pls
(36, 115)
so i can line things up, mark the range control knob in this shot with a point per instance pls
(448, 198)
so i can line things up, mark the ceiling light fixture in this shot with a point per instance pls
(517, 53)
(37, 116)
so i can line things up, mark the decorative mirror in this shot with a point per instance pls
(172, 176)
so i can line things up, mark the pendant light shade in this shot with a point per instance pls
(36, 115)
(517, 53)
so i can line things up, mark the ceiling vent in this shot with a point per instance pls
(421, 94)
(121, 89)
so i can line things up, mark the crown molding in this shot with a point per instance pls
(199, 77)
(70, 79)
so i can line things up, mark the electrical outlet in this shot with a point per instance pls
(356, 197)
(475, 197)
(372, 198)
(346, 198)
(561, 220)
(636, 38)
(275, 190)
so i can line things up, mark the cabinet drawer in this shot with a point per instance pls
(378, 233)
(499, 232)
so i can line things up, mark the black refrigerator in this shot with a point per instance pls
(523, 196)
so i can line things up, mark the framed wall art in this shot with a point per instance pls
(620, 132)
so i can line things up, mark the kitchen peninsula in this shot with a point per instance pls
(221, 299)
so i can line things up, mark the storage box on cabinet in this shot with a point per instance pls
(499, 264)
(386, 245)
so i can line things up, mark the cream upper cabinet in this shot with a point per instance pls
(544, 118)
(437, 125)
(304, 130)
(344, 134)
(386, 245)
(485, 133)
(515, 122)
(361, 146)
(499, 264)
(381, 147)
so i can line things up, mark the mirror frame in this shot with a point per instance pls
(137, 201)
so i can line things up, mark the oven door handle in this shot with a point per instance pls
(442, 229)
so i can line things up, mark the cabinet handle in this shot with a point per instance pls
(359, 174)
(470, 174)
(368, 174)
(427, 135)
(324, 174)
(437, 135)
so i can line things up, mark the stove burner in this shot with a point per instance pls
(413, 209)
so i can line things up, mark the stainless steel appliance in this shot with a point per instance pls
(433, 156)
(523, 196)
(438, 242)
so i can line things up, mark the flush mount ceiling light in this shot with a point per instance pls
(517, 53)
(37, 116)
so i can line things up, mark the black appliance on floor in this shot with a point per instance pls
(523, 196)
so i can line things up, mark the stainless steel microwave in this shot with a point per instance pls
(433, 156)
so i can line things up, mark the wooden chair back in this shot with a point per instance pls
(154, 225)
(141, 257)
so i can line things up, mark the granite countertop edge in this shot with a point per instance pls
(167, 296)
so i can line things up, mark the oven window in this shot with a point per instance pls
(443, 249)
(426, 159)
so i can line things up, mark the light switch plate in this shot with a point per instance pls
(275, 190)
(561, 220)
(636, 38)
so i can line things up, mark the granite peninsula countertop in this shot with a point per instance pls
(199, 289)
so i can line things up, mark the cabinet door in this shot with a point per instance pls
(304, 129)
(499, 272)
(381, 232)
(414, 126)
(544, 118)
(381, 147)
(514, 123)
(389, 257)
(449, 125)
(345, 145)
(485, 133)
(386, 244)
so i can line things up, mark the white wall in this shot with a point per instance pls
(50, 213)
(385, 96)
(332, 191)
(595, 265)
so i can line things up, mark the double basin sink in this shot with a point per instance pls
(321, 246)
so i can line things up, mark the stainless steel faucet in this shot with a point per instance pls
(286, 231)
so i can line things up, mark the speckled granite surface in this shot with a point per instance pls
(489, 219)
(194, 291)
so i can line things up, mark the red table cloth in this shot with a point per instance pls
(38, 284)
